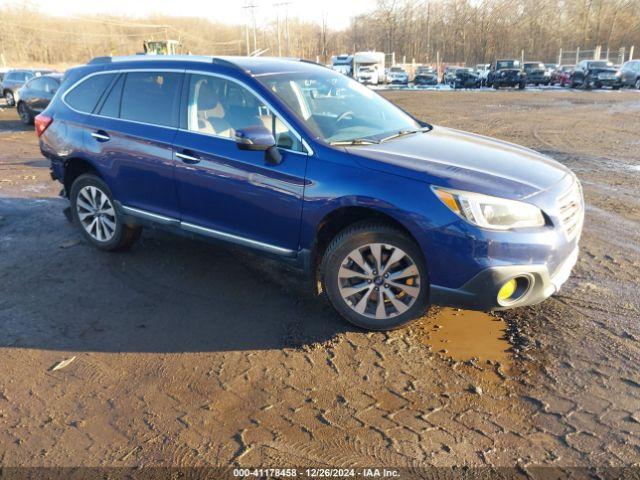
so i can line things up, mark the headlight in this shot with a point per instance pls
(490, 212)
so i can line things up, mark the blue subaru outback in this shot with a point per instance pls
(389, 214)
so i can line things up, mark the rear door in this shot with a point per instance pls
(130, 136)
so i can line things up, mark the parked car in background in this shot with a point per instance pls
(595, 74)
(536, 73)
(368, 75)
(389, 213)
(398, 75)
(629, 74)
(449, 75)
(425, 76)
(506, 73)
(14, 79)
(3, 72)
(561, 75)
(482, 70)
(343, 64)
(35, 95)
(550, 68)
(465, 78)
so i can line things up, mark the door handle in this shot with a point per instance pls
(187, 158)
(101, 136)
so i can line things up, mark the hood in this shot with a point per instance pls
(465, 161)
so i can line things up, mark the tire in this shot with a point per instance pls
(111, 234)
(400, 305)
(25, 114)
(521, 86)
(9, 98)
(638, 84)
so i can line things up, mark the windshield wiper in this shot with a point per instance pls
(401, 133)
(355, 141)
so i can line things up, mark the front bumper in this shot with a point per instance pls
(481, 292)
(508, 81)
(606, 82)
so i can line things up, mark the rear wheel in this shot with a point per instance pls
(25, 114)
(375, 277)
(94, 211)
(638, 84)
(9, 98)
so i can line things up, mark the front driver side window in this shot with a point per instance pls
(220, 107)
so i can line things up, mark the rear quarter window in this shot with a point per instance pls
(84, 96)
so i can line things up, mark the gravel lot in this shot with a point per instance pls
(189, 353)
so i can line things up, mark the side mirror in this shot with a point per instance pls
(260, 139)
(255, 138)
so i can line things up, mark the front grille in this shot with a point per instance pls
(571, 211)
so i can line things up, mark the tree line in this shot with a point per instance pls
(457, 31)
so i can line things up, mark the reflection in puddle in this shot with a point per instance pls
(465, 335)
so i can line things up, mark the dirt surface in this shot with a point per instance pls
(186, 353)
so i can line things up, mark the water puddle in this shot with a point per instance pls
(466, 335)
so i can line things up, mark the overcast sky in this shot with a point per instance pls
(338, 12)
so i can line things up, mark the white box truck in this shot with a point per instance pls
(368, 67)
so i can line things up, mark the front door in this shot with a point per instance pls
(231, 193)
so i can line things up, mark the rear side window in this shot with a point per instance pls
(84, 96)
(151, 97)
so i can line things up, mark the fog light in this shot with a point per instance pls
(507, 290)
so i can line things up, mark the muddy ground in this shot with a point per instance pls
(187, 353)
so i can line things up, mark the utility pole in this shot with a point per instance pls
(252, 6)
(277, 6)
(278, 31)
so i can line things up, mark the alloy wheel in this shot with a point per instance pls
(9, 98)
(96, 213)
(379, 280)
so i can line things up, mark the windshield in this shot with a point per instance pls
(599, 65)
(337, 108)
(507, 64)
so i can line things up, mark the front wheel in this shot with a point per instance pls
(375, 276)
(94, 211)
(638, 84)
(9, 98)
(25, 114)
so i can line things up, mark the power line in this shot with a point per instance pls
(119, 23)
(68, 32)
